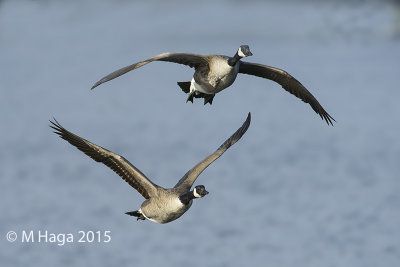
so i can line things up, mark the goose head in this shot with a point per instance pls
(244, 51)
(199, 191)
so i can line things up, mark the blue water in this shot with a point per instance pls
(292, 192)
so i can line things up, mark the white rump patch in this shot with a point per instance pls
(195, 87)
(141, 212)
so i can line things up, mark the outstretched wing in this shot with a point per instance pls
(118, 164)
(191, 60)
(288, 82)
(190, 177)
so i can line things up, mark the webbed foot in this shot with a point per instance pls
(208, 98)
(190, 97)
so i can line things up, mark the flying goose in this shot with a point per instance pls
(161, 205)
(213, 73)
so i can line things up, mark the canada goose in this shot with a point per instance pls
(161, 205)
(213, 73)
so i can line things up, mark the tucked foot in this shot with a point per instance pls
(137, 214)
(190, 97)
(208, 98)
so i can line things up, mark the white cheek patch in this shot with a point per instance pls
(240, 53)
(195, 194)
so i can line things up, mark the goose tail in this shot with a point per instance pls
(185, 86)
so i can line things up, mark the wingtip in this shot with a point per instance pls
(329, 122)
(332, 119)
(53, 123)
(324, 115)
(248, 120)
(328, 118)
(243, 129)
(56, 126)
(95, 85)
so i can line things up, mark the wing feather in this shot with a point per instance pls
(191, 60)
(190, 177)
(117, 163)
(288, 82)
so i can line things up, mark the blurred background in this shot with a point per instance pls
(292, 192)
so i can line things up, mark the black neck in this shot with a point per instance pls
(185, 198)
(233, 60)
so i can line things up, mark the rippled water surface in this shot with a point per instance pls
(292, 192)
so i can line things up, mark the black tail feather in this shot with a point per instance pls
(185, 86)
(137, 214)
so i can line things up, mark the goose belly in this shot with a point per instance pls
(164, 211)
(220, 76)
